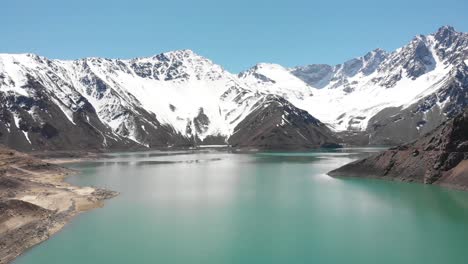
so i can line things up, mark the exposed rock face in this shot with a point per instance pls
(386, 127)
(451, 45)
(439, 157)
(339, 76)
(449, 99)
(412, 61)
(201, 121)
(317, 75)
(277, 124)
(38, 122)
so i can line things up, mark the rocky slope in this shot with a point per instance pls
(439, 157)
(277, 124)
(35, 202)
(338, 76)
(425, 114)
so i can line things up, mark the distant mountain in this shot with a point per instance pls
(322, 75)
(439, 157)
(388, 97)
(175, 99)
(181, 99)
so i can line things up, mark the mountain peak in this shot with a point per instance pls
(177, 54)
(182, 52)
(446, 29)
(261, 67)
(20, 55)
(267, 65)
(445, 33)
(379, 51)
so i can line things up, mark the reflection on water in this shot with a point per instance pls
(143, 162)
(218, 207)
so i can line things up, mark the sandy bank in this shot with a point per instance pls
(35, 202)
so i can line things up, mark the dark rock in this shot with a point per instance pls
(435, 158)
(48, 128)
(201, 122)
(331, 145)
(277, 124)
(214, 140)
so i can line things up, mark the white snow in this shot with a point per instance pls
(17, 124)
(190, 83)
(200, 88)
(66, 111)
(357, 106)
(13, 65)
(16, 120)
(26, 134)
(281, 81)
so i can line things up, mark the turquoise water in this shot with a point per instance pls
(214, 207)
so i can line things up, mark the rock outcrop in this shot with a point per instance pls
(439, 157)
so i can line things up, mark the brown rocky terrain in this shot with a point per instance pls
(439, 157)
(35, 202)
(278, 125)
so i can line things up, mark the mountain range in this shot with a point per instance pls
(181, 99)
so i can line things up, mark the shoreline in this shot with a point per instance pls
(36, 202)
(403, 166)
(446, 186)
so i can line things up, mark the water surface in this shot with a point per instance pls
(216, 207)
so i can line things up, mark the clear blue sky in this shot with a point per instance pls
(235, 33)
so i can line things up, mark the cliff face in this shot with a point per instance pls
(439, 157)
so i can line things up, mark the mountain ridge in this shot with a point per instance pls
(180, 98)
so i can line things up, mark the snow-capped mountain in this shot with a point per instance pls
(172, 99)
(338, 76)
(179, 98)
(275, 79)
(360, 94)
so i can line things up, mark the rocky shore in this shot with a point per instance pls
(35, 202)
(439, 157)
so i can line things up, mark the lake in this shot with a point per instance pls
(215, 207)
